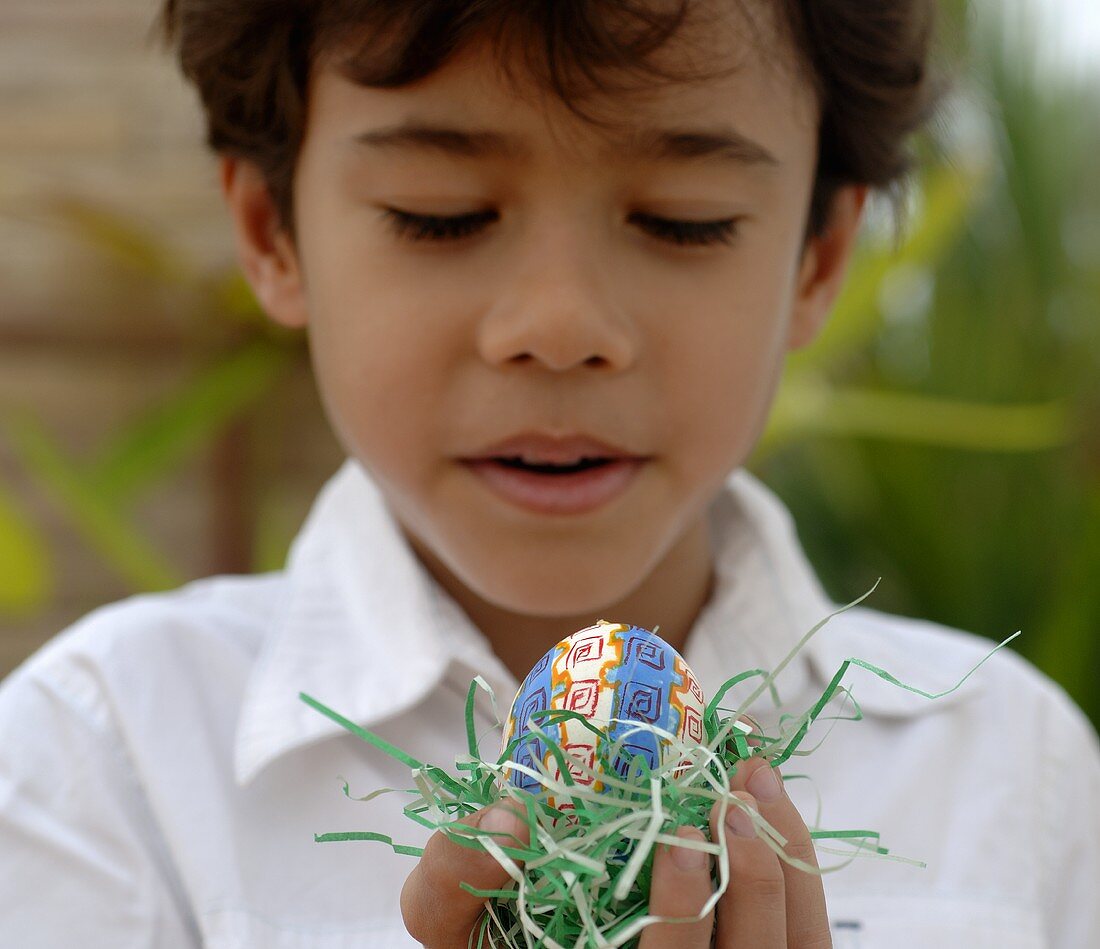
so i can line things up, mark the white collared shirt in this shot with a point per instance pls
(161, 782)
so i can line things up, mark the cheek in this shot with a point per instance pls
(380, 361)
(720, 378)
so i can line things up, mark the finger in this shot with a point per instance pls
(753, 910)
(679, 887)
(435, 909)
(806, 914)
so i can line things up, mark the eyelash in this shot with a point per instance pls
(426, 227)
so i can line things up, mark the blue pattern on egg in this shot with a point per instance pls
(606, 671)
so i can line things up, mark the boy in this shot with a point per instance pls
(548, 339)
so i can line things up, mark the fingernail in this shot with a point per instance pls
(739, 822)
(765, 785)
(687, 859)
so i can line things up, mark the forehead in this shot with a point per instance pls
(750, 90)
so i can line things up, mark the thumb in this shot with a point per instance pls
(436, 911)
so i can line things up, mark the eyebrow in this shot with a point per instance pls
(724, 144)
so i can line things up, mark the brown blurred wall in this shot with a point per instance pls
(92, 113)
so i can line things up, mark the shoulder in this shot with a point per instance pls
(932, 658)
(206, 629)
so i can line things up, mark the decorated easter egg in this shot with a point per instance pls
(605, 672)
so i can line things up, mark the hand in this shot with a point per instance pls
(767, 905)
(437, 912)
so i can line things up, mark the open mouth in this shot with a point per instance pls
(584, 464)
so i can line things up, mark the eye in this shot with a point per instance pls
(694, 233)
(430, 227)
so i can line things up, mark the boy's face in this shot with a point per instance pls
(565, 311)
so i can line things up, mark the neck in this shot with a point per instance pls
(672, 596)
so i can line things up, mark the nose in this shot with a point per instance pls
(556, 312)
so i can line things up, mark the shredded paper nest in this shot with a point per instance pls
(583, 880)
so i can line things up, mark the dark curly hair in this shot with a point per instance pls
(251, 61)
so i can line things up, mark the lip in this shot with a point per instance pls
(579, 492)
(538, 447)
(576, 493)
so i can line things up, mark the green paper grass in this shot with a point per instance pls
(584, 879)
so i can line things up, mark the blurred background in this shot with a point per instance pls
(942, 434)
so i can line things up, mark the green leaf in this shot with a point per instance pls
(277, 525)
(154, 443)
(102, 526)
(1065, 646)
(118, 238)
(804, 408)
(233, 298)
(25, 565)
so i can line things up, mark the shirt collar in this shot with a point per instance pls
(366, 630)
(357, 608)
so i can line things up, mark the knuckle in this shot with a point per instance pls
(800, 844)
(766, 889)
(417, 922)
(424, 902)
(757, 874)
(802, 848)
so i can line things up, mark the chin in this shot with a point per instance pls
(554, 589)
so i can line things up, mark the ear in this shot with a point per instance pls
(824, 264)
(266, 253)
